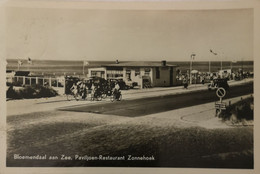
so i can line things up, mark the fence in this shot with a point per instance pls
(46, 81)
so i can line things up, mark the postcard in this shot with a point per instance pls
(124, 86)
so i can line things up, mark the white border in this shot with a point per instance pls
(126, 5)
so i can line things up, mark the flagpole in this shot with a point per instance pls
(209, 59)
(192, 57)
(221, 59)
(18, 64)
(83, 67)
(209, 67)
(190, 69)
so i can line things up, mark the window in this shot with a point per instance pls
(114, 73)
(128, 74)
(147, 71)
(157, 72)
(93, 73)
(137, 72)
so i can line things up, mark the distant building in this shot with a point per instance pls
(159, 74)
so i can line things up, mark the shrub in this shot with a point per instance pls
(17, 83)
(11, 93)
(35, 91)
(243, 109)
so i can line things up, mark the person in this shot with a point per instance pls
(93, 88)
(116, 88)
(202, 80)
(185, 83)
(98, 90)
(74, 89)
(84, 91)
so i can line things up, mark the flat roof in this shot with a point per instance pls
(139, 64)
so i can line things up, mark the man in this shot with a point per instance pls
(185, 83)
(116, 88)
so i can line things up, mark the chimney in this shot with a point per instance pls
(164, 63)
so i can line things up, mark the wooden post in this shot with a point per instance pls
(23, 80)
(50, 81)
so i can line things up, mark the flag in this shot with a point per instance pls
(192, 56)
(86, 63)
(29, 61)
(20, 62)
(212, 52)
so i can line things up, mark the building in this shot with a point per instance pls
(158, 74)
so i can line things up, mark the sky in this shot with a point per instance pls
(147, 35)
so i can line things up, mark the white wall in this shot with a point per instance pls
(164, 79)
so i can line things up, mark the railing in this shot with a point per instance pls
(46, 81)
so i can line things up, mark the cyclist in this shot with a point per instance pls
(116, 89)
(74, 90)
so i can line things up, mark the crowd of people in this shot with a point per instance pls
(202, 77)
(97, 90)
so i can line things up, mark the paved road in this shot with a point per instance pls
(146, 106)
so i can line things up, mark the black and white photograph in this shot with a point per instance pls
(88, 86)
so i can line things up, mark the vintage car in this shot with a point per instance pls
(130, 83)
(218, 83)
(124, 84)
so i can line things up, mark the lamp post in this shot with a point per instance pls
(192, 58)
(221, 59)
(213, 54)
(85, 63)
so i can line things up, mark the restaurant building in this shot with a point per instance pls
(159, 74)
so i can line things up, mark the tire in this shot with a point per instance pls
(76, 96)
(92, 97)
(68, 97)
(112, 98)
(99, 97)
(104, 95)
(119, 98)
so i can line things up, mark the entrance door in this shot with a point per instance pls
(171, 76)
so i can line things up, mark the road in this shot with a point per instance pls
(152, 105)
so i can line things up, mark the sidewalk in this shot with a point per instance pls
(204, 115)
(24, 106)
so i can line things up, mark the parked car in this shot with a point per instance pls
(218, 83)
(130, 83)
(120, 81)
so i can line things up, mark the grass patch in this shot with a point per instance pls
(175, 147)
(41, 134)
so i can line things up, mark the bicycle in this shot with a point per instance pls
(96, 94)
(116, 96)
